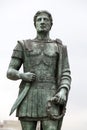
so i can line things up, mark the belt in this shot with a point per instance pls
(45, 79)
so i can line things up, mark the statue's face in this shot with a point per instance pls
(43, 23)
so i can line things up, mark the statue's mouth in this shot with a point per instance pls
(43, 26)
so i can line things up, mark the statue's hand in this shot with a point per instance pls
(28, 76)
(60, 97)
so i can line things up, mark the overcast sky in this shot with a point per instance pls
(69, 25)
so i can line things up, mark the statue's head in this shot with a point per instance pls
(43, 18)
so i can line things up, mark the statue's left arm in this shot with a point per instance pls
(65, 79)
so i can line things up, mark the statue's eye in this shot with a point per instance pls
(39, 19)
(46, 19)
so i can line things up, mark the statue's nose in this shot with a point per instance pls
(42, 21)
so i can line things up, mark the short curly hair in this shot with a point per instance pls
(40, 12)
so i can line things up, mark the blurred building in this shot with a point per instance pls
(10, 125)
(13, 125)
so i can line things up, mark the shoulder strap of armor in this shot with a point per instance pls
(21, 43)
(58, 41)
(28, 44)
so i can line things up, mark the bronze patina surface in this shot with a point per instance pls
(45, 80)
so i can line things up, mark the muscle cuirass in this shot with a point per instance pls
(42, 59)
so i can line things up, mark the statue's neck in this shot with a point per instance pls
(43, 36)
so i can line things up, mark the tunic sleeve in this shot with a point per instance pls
(18, 51)
(17, 56)
(65, 80)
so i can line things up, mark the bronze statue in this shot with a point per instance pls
(43, 91)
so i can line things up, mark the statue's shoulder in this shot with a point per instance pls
(24, 43)
(60, 43)
(19, 45)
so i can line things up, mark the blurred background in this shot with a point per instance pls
(69, 25)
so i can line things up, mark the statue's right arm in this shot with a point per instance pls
(13, 72)
(13, 69)
(16, 62)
